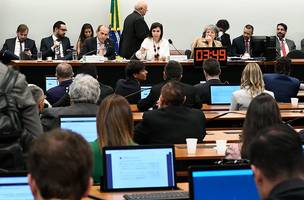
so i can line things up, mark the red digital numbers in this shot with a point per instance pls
(204, 54)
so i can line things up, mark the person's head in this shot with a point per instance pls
(86, 32)
(281, 30)
(156, 31)
(172, 94)
(102, 33)
(141, 7)
(263, 111)
(223, 25)
(252, 79)
(173, 71)
(64, 71)
(84, 89)
(22, 32)
(60, 166)
(282, 65)
(38, 96)
(276, 155)
(211, 31)
(248, 31)
(114, 121)
(136, 69)
(211, 68)
(59, 29)
(88, 68)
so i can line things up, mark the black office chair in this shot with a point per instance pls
(295, 54)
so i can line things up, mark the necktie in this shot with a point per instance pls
(247, 46)
(20, 46)
(283, 48)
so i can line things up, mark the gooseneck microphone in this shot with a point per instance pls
(171, 42)
(138, 91)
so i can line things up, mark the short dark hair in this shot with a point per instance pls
(60, 162)
(277, 152)
(22, 28)
(282, 24)
(249, 26)
(223, 24)
(57, 25)
(88, 68)
(212, 67)
(173, 70)
(155, 25)
(134, 67)
(172, 93)
(282, 65)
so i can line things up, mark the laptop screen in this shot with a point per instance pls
(15, 187)
(50, 82)
(206, 183)
(139, 167)
(221, 94)
(145, 91)
(84, 125)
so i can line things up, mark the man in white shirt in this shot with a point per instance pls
(283, 45)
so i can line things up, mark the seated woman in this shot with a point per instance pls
(154, 47)
(262, 112)
(114, 127)
(208, 39)
(252, 84)
(86, 32)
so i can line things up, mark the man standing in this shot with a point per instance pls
(20, 45)
(283, 45)
(135, 30)
(57, 45)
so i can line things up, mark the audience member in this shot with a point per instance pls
(283, 45)
(111, 131)
(277, 161)
(39, 97)
(135, 30)
(172, 71)
(57, 45)
(85, 33)
(252, 84)
(154, 47)
(173, 122)
(280, 83)
(223, 37)
(60, 166)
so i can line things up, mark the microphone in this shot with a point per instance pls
(170, 42)
(90, 52)
(138, 91)
(223, 114)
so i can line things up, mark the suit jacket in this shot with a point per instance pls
(290, 43)
(192, 99)
(56, 93)
(170, 125)
(90, 45)
(302, 45)
(134, 32)
(131, 87)
(238, 47)
(226, 42)
(287, 190)
(203, 90)
(47, 43)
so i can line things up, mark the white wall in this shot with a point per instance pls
(183, 20)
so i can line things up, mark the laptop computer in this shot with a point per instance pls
(145, 91)
(221, 94)
(50, 82)
(232, 182)
(84, 125)
(15, 186)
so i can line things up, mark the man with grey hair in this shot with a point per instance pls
(135, 30)
(38, 96)
(64, 75)
(84, 93)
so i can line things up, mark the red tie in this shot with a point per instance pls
(283, 48)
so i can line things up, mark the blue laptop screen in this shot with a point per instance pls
(15, 188)
(50, 82)
(145, 91)
(221, 94)
(237, 184)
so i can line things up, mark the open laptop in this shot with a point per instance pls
(50, 82)
(84, 125)
(221, 94)
(14, 186)
(233, 182)
(145, 91)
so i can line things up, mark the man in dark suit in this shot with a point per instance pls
(283, 45)
(19, 47)
(135, 30)
(100, 45)
(57, 45)
(172, 71)
(173, 122)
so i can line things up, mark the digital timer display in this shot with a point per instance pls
(201, 54)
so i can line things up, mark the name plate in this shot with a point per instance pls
(204, 53)
(93, 58)
(178, 58)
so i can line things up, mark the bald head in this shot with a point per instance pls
(64, 71)
(141, 7)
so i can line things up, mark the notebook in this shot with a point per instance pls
(139, 168)
(15, 186)
(84, 125)
(50, 82)
(145, 91)
(222, 182)
(221, 94)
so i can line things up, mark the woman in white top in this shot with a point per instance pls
(154, 47)
(252, 84)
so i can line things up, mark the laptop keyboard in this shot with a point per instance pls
(157, 196)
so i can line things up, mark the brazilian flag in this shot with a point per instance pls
(115, 23)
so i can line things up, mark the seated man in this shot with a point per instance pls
(57, 45)
(283, 45)
(212, 71)
(130, 87)
(277, 161)
(64, 75)
(20, 45)
(100, 45)
(172, 71)
(60, 166)
(173, 122)
(39, 97)
(280, 83)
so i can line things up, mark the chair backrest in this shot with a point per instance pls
(296, 54)
(11, 157)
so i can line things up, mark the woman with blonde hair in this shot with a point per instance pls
(252, 84)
